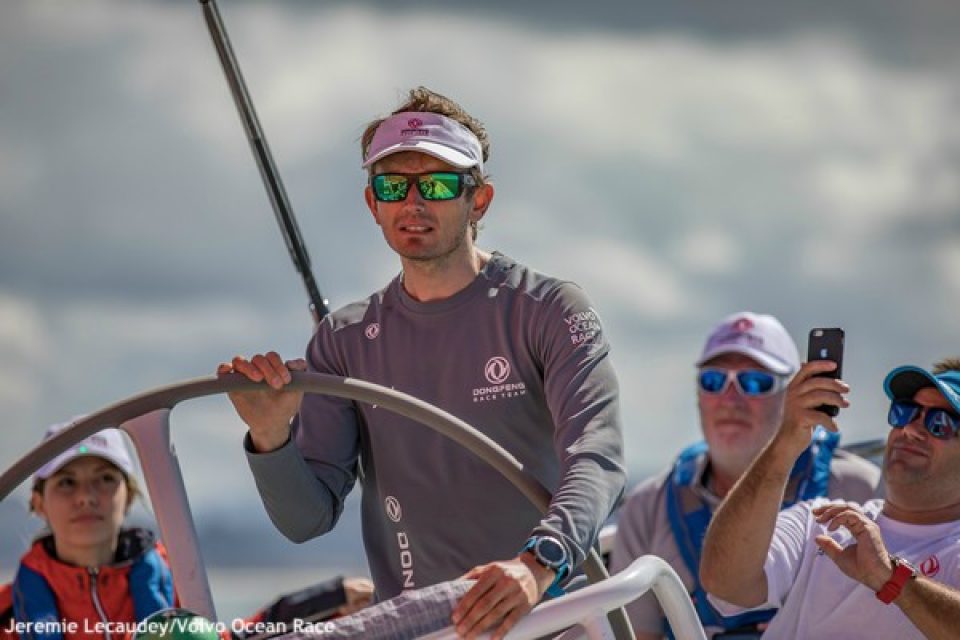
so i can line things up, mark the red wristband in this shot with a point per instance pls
(902, 571)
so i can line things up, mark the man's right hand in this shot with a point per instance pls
(267, 412)
(806, 392)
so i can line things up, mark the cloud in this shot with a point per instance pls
(675, 175)
(948, 261)
(708, 250)
(24, 350)
(637, 284)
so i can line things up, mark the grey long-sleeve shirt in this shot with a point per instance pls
(518, 355)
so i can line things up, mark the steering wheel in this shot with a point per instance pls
(146, 419)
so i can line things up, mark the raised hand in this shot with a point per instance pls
(806, 392)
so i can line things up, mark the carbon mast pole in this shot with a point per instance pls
(261, 152)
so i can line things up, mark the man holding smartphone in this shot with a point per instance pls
(885, 569)
(742, 375)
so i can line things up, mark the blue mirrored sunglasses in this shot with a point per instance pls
(941, 423)
(749, 382)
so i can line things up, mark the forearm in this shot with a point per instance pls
(590, 488)
(588, 443)
(269, 438)
(932, 606)
(298, 503)
(739, 535)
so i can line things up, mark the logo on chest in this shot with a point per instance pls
(497, 371)
(930, 567)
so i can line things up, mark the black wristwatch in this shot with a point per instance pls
(550, 552)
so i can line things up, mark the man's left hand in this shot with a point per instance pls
(866, 561)
(505, 591)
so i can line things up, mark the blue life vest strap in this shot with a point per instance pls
(34, 601)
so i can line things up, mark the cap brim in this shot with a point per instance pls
(66, 458)
(903, 383)
(764, 359)
(439, 151)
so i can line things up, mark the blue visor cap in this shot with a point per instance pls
(903, 382)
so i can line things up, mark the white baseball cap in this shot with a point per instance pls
(757, 336)
(107, 444)
(426, 132)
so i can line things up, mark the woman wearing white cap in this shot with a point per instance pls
(91, 577)
(89, 574)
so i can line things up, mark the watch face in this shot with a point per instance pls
(551, 552)
(904, 563)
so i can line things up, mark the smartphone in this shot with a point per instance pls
(827, 344)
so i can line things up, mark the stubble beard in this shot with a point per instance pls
(436, 261)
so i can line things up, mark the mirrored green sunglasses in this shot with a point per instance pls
(439, 185)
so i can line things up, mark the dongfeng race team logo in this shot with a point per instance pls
(497, 370)
(930, 567)
(742, 325)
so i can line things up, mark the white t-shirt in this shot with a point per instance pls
(644, 527)
(817, 600)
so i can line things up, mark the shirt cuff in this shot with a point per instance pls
(727, 609)
(252, 451)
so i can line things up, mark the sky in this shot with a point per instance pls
(679, 161)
